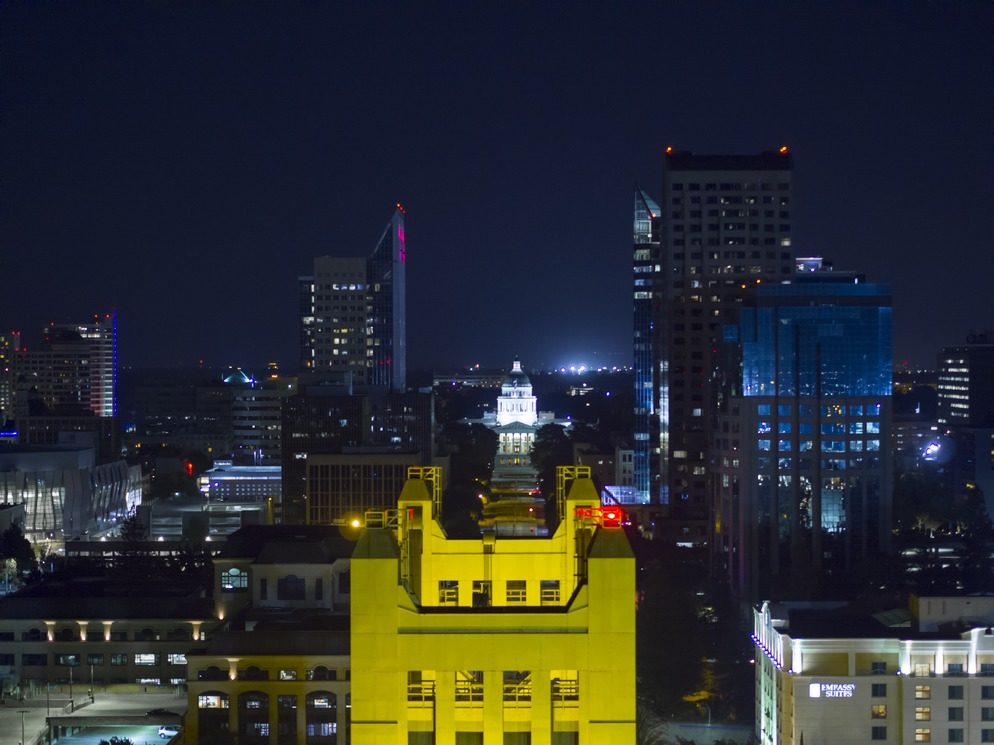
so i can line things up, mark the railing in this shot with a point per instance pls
(421, 694)
(565, 693)
(518, 693)
(469, 693)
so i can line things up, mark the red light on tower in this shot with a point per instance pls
(669, 150)
(188, 467)
(612, 517)
(784, 149)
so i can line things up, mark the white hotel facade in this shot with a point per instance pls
(827, 675)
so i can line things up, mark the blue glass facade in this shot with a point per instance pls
(645, 270)
(817, 338)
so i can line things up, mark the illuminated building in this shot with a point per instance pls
(65, 491)
(278, 667)
(829, 673)
(651, 450)
(515, 422)
(966, 415)
(87, 629)
(255, 420)
(499, 639)
(74, 370)
(353, 313)
(802, 479)
(725, 222)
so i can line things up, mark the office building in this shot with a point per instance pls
(802, 465)
(353, 313)
(831, 672)
(256, 412)
(964, 443)
(506, 639)
(325, 419)
(724, 224)
(343, 487)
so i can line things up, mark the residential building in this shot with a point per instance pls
(353, 313)
(724, 225)
(802, 463)
(74, 370)
(501, 639)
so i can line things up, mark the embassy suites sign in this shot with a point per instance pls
(831, 690)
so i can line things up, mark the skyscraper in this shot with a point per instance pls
(724, 225)
(353, 313)
(802, 463)
(650, 449)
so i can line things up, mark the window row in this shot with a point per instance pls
(98, 660)
(515, 592)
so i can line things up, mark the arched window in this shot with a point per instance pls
(253, 717)
(290, 587)
(212, 673)
(253, 673)
(212, 712)
(322, 717)
(145, 635)
(319, 673)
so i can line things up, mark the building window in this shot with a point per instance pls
(318, 589)
(517, 685)
(176, 658)
(263, 589)
(146, 658)
(517, 591)
(924, 691)
(956, 735)
(119, 659)
(37, 660)
(212, 700)
(481, 593)
(878, 711)
(448, 592)
(955, 713)
(550, 591)
(955, 693)
(878, 690)
(234, 580)
(923, 713)
(344, 583)
(94, 659)
(987, 692)
(469, 687)
(878, 668)
(987, 714)
(954, 668)
(987, 668)
(67, 660)
(288, 674)
(878, 733)
(987, 735)
(923, 734)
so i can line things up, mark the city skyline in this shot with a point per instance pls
(191, 161)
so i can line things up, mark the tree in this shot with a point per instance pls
(13, 545)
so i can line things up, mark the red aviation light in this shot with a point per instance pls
(612, 517)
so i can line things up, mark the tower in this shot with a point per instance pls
(353, 313)
(725, 224)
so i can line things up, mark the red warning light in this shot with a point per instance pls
(188, 467)
(612, 517)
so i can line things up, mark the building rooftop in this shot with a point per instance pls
(767, 161)
(288, 544)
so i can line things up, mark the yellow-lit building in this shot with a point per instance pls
(493, 641)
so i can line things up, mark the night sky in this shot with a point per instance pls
(183, 162)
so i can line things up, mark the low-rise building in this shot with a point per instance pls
(833, 673)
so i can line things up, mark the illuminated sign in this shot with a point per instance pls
(831, 690)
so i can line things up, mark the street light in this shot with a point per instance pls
(22, 712)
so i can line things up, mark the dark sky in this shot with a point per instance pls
(184, 162)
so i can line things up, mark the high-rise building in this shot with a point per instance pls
(801, 456)
(966, 383)
(724, 224)
(651, 447)
(353, 313)
(964, 444)
(74, 370)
